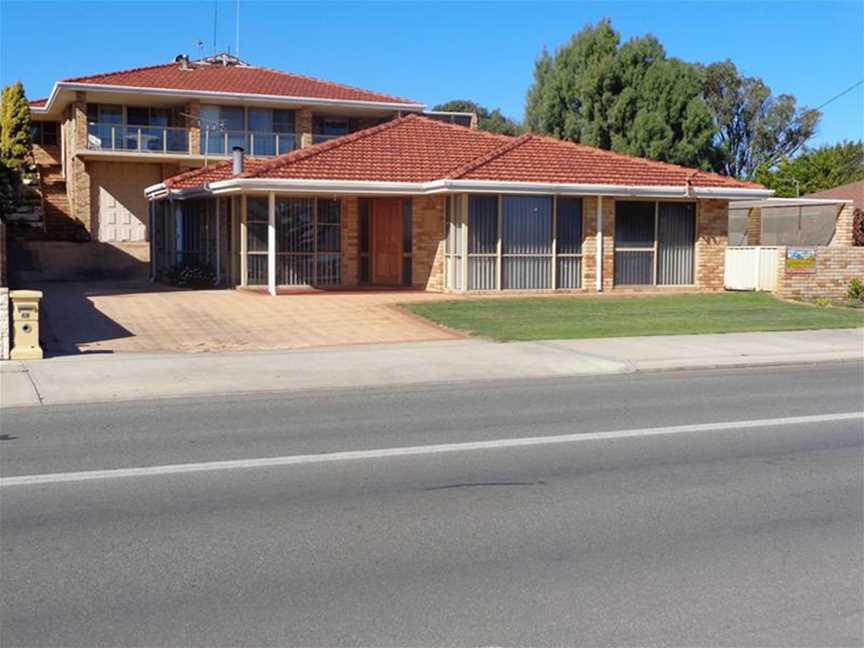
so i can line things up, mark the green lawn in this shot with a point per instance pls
(549, 318)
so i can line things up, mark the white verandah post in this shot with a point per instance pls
(271, 243)
(599, 272)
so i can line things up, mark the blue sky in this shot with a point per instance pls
(439, 51)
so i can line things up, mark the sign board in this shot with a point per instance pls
(801, 260)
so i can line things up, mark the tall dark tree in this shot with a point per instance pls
(755, 129)
(493, 120)
(628, 98)
(632, 98)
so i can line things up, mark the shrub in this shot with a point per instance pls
(855, 290)
(190, 276)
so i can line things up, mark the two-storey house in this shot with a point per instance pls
(99, 140)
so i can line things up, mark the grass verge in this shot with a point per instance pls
(549, 318)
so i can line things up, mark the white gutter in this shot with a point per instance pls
(788, 202)
(264, 98)
(299, 185)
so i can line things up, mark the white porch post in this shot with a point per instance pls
(244, 261)
(271, 243)
(599, 244)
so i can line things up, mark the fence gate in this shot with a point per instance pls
(751, 268)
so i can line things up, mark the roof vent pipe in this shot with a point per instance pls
(237, 160)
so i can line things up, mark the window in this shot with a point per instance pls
(44, 133)
(513, 242)
(222, 128)
(568, 243)
(482, 242)
(526, 242)
(256, 241)
(654, 242)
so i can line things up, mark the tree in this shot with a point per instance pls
(15, 147)
(815, 169)
(755, 129)
(628, 98)
(493, 121)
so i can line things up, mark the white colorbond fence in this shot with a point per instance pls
(751, 268)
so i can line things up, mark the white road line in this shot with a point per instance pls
(353, 455)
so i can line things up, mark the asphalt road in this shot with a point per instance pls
(741, 536)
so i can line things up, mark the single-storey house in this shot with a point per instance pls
(437, 206)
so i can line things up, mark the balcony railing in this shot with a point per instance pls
(253, 142)
(141, 139)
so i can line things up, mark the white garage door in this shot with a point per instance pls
(121, 207)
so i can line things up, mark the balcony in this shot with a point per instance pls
(140, 139)
(257, 143)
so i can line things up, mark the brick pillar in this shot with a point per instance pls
(754, 226)
(79, 178)
(427, 245)
(350, 242)
(303, 127)
(843, 229)
(712, 237)
(589, 243)
(192, 123)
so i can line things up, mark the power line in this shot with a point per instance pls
(831, 100)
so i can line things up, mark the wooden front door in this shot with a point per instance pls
(387, 241)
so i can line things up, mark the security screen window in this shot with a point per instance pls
(654, 243)
(482, 242)
(526, 242)
(256, 241)
(634, 242)
(568, 242)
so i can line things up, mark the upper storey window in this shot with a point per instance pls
(260, 131)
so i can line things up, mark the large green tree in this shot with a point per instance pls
(493, 120)
(15, 146)
(632, 98)
(629, 98)
(815, 169)
(755, 128)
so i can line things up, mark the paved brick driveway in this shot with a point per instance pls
(109, 317)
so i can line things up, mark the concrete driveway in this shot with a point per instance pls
(111, 317)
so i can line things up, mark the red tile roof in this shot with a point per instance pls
(853, 191)
(241, 79)
(418, 149)
(38, 102)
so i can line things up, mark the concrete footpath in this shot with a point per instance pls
(133, 376)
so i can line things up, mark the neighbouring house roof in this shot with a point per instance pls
(416, 154)
(211, 75)
(853, 191)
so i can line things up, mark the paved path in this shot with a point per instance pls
(103, 317)
(100, 377)
(712, 536)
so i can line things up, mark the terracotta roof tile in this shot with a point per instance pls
(245, 79)
(418, 149)
(38, 102)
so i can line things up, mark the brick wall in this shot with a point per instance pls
(843, 229)
(193, 110)
(350, 242)
(428, 242)
(78, 175)
(712, 237)
(754, 226)
(303, 127)
(836, 266)
(589, 243)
